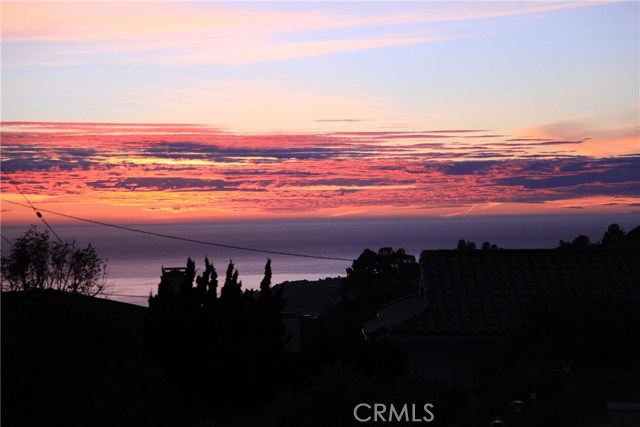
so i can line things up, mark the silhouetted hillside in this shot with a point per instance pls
(311, 297)
(72, 360)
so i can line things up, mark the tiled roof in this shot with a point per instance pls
(393, 315)
(484, 293)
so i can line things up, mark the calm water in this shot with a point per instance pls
(135, 260)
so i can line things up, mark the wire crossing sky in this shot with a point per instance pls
(184, 239)
(180, 111)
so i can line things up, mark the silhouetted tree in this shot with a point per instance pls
(265, 284)
(380, 276)
(613, 236)
(581, 241)
(632, 239)
(207, 284)
(189, 276)
(486, 246)
(232, 288)
(270, 326)
(212, 287)
(463, 245)
(202, 282)
(35, 262)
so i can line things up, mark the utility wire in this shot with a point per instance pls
(185, 239)
(38, 213)
(6, 240)
(108, 294)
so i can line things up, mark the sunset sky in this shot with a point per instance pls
(167, 111)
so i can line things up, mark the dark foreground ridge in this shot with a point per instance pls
(486, 336)
(72, 360)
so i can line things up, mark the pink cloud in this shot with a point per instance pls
(218, 173)
(211, 32)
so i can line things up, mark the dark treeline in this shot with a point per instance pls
(221, 348)
(464, 245)
(337, 368)
(378, 277)
(374, 279)
(614, 238)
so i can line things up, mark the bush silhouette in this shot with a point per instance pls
(36, 262)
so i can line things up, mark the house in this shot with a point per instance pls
(171, 280)
(468, 301)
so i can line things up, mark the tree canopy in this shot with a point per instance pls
(37, 262)
(614, 238)
(381, 276)
(210, 342)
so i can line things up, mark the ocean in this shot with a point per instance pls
(135, 260)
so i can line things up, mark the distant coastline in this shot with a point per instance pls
(135, 260)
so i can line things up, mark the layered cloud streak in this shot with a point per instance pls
(182, 169)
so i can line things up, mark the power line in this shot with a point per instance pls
(38, 213)
(185, 239)
(6, 240)
(108, 294)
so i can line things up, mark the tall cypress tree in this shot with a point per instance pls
(265, 285)
(189, 276)
(212, 287)
(202, 282)
(231, 290)
(271, 327)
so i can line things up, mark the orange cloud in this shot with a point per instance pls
(205, 173)
(613, 135)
